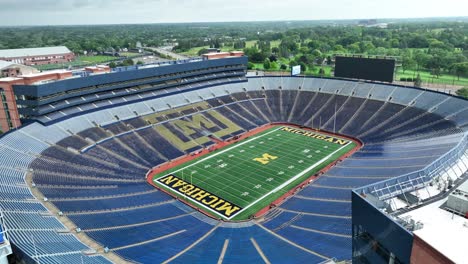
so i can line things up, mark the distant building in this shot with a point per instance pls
(211, 50)
(10, 69)
(38, 56)
(367, 22)
(97, 69)
(222, 55)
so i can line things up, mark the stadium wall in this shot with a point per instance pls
(32, 97)
(376, 237)
(423, 253)
(76, 83)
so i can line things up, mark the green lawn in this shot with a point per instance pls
(80, 61)
(95, 59)
(251, 43)
(236, 182)
(130, 54)
(314, 71)
(193, 52)
(428, 78)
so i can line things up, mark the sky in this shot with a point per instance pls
(79, 12)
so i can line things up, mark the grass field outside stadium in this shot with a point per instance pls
(235, 182)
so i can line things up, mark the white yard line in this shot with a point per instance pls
(261, 198)
(221, 152)
(294, 178)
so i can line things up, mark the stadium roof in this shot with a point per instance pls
(445, 231)
(5, 64)
(14, 53)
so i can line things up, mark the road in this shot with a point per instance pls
(167, 50)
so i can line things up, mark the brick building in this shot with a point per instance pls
(9, 116)
(38, 56)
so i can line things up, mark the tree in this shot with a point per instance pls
(274, 65)
(139, 63)
(460, 69)
(303, 67)
(272, 58)
(275, 50)
(112, 65)
(407, 63)
(418, 81)
(267, 64)
(250, 65)
(202, 51)
(283, 67)
(317, 53)
(421, 59)
(313, 44)
(354, 48)
(321, 72)
(463, 92)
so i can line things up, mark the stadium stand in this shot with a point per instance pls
(91, 169)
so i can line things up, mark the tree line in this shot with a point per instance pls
(434, 46)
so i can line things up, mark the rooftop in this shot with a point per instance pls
(5, 64)
(446, 232)
(9, 79)
(13, 53)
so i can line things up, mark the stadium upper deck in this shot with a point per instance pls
(53, 95)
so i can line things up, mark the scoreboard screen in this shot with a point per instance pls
(296, 70)
(365, 68)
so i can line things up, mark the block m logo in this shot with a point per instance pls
(196, 122)
(265, 159)
(192, 127)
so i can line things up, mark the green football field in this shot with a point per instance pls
(237, 181)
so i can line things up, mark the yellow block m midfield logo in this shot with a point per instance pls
(265, 159)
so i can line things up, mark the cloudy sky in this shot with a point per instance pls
(58, 12)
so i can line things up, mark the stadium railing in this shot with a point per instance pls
(412, 181)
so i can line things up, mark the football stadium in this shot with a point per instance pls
(197, 161)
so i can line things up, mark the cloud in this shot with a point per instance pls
(49, 12)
